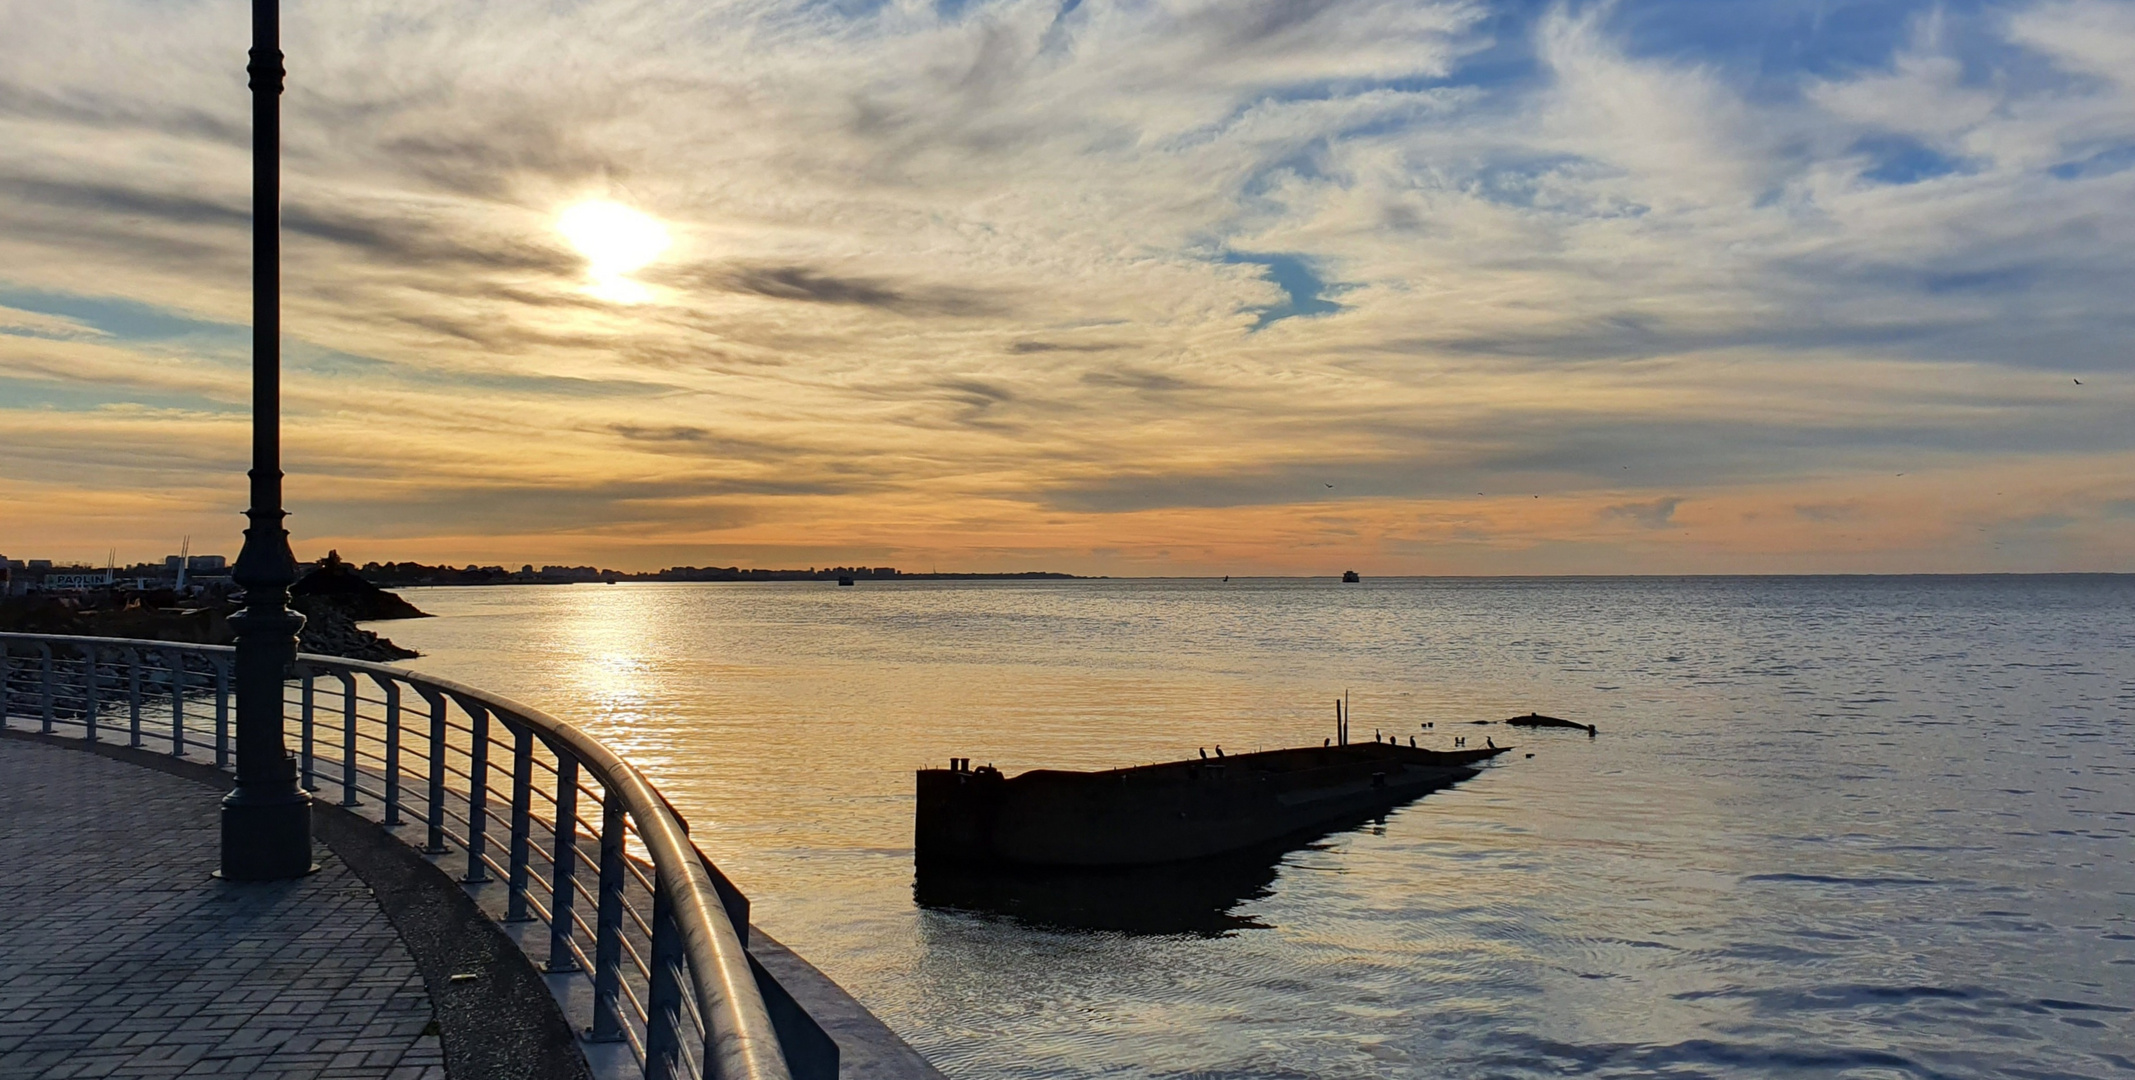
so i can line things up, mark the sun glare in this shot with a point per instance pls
(616, 241)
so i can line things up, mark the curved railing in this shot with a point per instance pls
(663, 953)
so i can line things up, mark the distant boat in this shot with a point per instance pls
(1171, 812)
(1350, 577)
(845, 579)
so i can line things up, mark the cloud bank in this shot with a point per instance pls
(1126, 287)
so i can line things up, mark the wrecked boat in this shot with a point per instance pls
(1169, 812)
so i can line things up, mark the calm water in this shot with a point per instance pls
(1831, 827)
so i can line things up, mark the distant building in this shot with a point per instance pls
(196, 563)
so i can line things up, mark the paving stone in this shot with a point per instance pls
(121, 957)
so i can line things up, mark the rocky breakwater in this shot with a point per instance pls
(331, 594)
(334, 598)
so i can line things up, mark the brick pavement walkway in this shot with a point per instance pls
(120, 956)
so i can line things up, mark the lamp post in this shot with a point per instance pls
(266, 818)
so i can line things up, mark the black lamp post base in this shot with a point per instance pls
(266, 841)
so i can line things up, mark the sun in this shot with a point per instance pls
(616, 241)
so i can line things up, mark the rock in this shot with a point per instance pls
(338, 583)
(331, 631)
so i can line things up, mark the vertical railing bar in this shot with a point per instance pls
(176, 662)
(663, 1004)
(435, 842)
(522, 819)
(133, 697)
(7, 677)
(307, 755)
(89, 691)
(348, 738)
(564, 863)
(392, 749)
(222, 712)
(44, 653)
(608, 923)
(477, 790)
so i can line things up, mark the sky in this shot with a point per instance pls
(1131, 287)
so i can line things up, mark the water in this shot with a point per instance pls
(1831, 827)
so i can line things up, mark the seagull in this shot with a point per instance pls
(2078, 382)
(1330, 485)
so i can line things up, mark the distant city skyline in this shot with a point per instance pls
(1097, 287)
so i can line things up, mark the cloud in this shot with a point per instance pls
(1108, 265)
(805, 285)
(1024, 347)
(1658, 514)
(1827, 512)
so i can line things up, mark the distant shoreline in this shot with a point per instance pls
(417, 575)
(658, 577)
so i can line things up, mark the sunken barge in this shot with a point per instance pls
(1170, 812)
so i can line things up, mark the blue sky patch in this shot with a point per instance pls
(1304, 291)
(1899, 160)
(129, 320)
(2103, 163)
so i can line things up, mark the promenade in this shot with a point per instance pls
(120, 956)
(446, 932)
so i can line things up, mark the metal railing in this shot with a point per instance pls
(584, 844)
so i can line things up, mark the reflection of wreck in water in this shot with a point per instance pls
(1167, 848)
(1196, 896)
(1173, 898)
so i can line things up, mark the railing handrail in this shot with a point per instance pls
(145, 643)
(740, 1035)
(740, 1040)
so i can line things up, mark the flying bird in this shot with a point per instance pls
(2078, 382)
(1330, 485)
